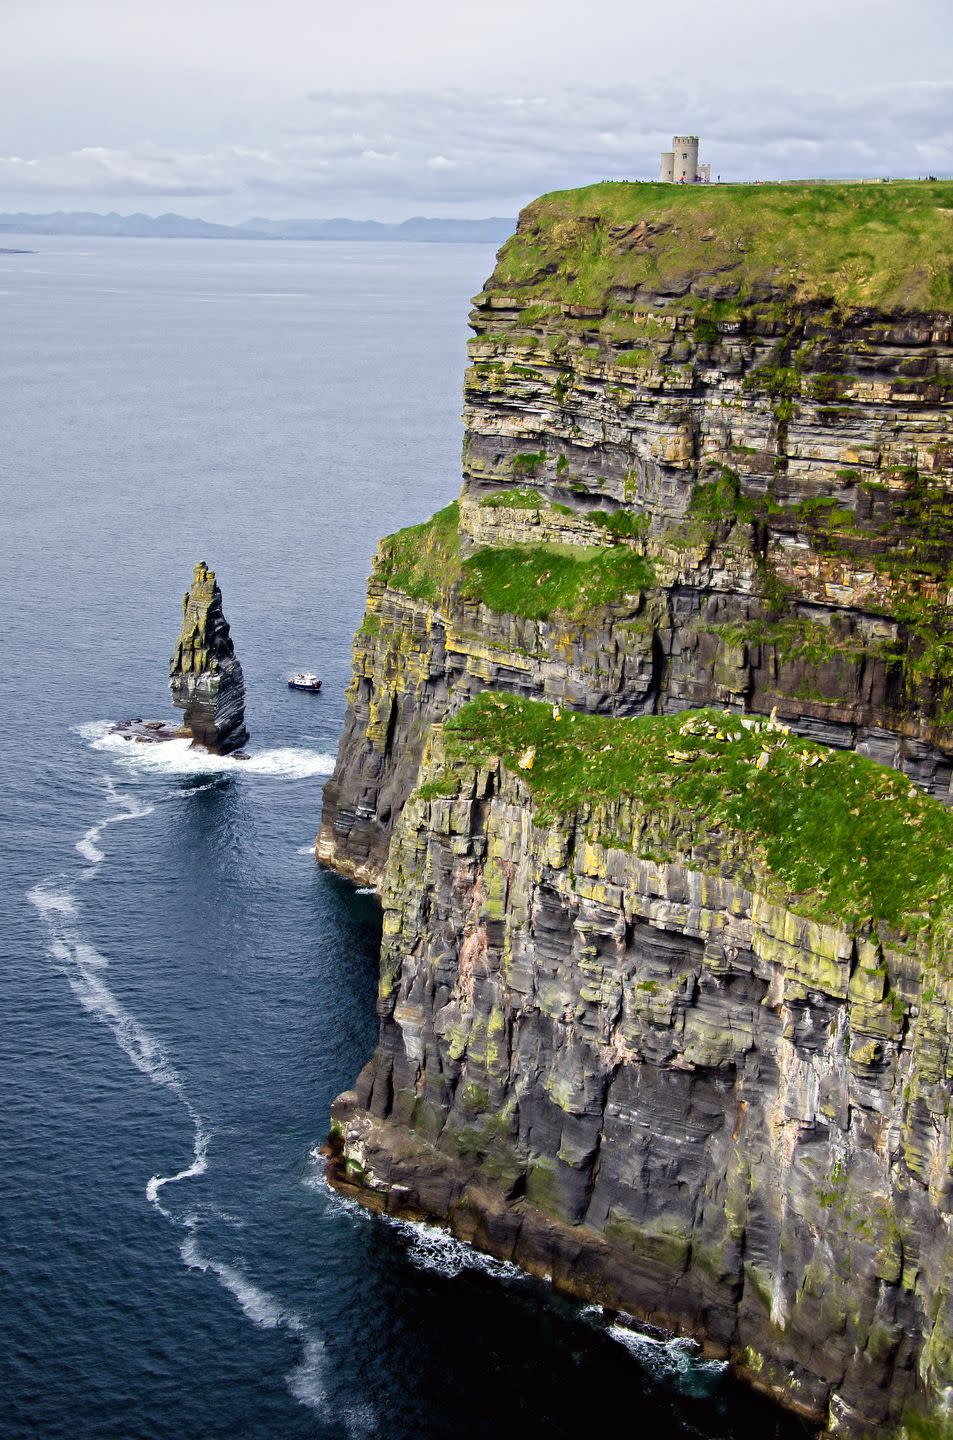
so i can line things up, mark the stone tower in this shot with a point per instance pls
(679, 166)
(685, 150)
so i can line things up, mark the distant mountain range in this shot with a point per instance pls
(492, 231)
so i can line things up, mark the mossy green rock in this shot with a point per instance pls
(727, 1096)
(667, 970)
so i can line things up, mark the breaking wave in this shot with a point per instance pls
(674, 1360)
(177, 757)
(428, 1246)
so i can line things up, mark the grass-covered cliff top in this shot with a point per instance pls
(886, 245)
(534, 582)
(853, 841)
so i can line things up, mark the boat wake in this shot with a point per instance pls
(84, 968)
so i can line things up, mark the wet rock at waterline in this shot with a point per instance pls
(205, 675)
(149, 732)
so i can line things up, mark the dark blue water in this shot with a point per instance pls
(184, 992)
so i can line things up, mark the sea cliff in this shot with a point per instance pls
(664, 987)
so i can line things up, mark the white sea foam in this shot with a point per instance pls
(674, 1360)
(430, 1247)
(83, 967)
(434, 1249)
(256, 1303)
(177, 757)
(306, 850)
(306, 1380)
(88, 848)
(125, 807)
(366, 890)
(361, 1422)
(51, 903)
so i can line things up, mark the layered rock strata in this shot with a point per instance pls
(616, 1049)
(691, 1068)
(780, 453)
(206, 677)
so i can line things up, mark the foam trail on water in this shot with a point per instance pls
(126, 807)
(88, 848)
(256, 1303)
(306, 1380)
(83, 967)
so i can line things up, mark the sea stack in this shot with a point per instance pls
(206, 677)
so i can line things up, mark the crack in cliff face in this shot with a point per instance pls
(685, 485)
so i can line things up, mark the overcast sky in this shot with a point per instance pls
(390, 108)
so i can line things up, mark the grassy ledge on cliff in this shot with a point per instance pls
(854, 245)
(530, 581)
(838, 837)
(727, 407)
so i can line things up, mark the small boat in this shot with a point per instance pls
(303, 681)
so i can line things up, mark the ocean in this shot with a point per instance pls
(184, 991)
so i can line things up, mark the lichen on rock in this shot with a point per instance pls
(206, 677)
(665, 996)
(619, 1046)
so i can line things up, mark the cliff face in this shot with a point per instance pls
(664, 1055)
(206, 678)
(668, 1082)
(776, 446)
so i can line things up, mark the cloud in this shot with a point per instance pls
(98, 170)
(463, 151)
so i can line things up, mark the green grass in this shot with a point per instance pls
(795, 638)
(853, 244)
(639, 359)
(539, 581)
(533, 581)
(841, 837)
(423, 561)
(624, 524)
(528, 462)
(513, 500)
